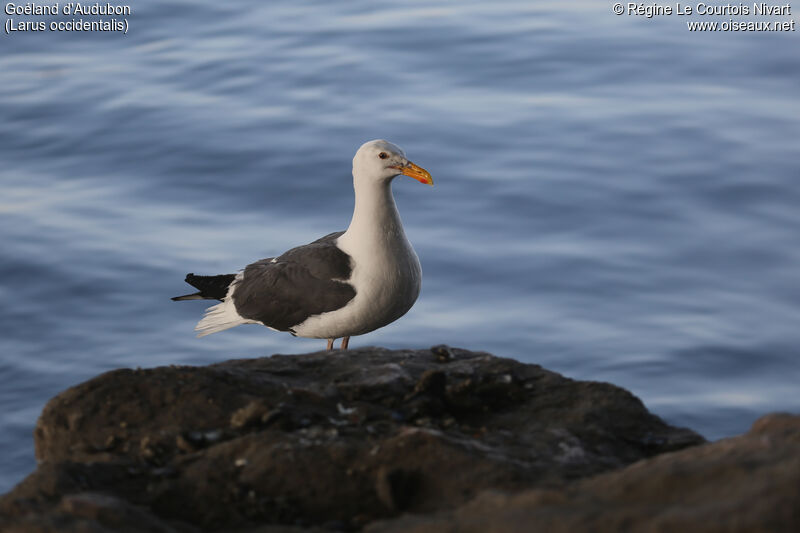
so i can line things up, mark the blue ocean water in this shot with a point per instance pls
(616, 197)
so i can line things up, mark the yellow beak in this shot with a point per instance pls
(416, 172)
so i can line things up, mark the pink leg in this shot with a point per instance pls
(345, 342)
(330, 344)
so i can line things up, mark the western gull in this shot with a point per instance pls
(346, 283)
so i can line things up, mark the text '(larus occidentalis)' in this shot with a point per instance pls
(346, 283)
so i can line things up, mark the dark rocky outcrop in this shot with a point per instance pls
(429, 440)
(744, 484)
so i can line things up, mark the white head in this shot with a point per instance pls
(381, 161)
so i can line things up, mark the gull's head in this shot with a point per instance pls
(381, 161)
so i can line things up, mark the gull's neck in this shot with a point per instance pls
(375, 218)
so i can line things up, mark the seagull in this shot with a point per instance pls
(346, 283)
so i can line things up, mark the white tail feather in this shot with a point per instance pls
(223, 315)
(220, 317)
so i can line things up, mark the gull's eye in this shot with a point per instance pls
(383, 155)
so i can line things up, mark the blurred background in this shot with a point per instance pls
(616, 197)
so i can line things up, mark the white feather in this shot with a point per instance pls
(223, 315)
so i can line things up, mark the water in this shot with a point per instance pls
(616, 197)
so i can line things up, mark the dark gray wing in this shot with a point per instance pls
(305, 281)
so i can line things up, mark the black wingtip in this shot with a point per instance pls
(211, 287)
(193, 296)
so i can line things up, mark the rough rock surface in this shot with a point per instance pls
(744, 484)
(429, 440)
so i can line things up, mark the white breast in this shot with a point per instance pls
(387, 280)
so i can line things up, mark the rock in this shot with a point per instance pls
(253, 413)
(749, 484)
(396, 487)
(110, 512)
(335, 440)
